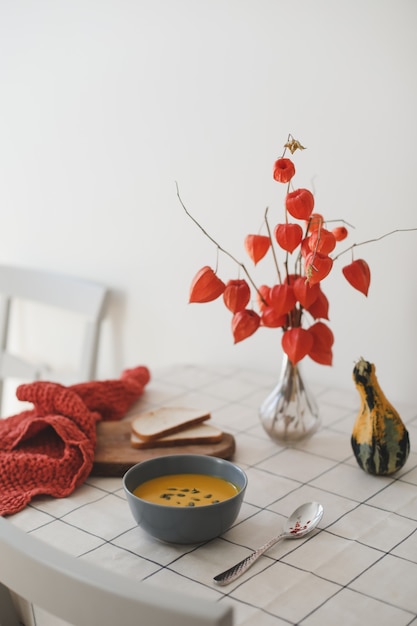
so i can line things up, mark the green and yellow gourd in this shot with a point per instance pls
(380, 441)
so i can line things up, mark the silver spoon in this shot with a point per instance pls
(301, 522)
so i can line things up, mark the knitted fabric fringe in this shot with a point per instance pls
(49, 449)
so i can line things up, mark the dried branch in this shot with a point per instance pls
(272, 245)
(362, 243)
(219, 247)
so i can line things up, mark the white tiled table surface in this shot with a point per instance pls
(359, 566)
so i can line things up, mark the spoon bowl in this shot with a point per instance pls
(301, 522)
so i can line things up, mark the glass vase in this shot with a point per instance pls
(290, 412)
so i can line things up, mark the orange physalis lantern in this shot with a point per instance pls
(316, 221)
(296, 343)
(282, 298)
(262, 297)
(358, 275)
(236, 295)
(271, 319)
(244, 324)
(305, 247)
(257, 246)
(320, 307)
(317, 267)
(300, 203)
(321, 350)
(305, 293)
(322, 240)
(284, 170)
(288, 236)
(340, 233)
(206, 286)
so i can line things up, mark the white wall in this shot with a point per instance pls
(106, 103)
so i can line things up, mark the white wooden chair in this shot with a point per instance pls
(83, 594)
(55, 294)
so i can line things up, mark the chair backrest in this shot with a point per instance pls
(77, 296)
(86, 595)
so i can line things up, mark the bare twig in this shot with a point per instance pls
(219, 247)
(339, 220)
(272, 245)
(362, 243)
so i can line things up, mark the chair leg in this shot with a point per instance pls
(8, 614)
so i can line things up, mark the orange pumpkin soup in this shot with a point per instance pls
(186, 490)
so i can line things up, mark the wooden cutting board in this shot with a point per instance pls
(114, 455)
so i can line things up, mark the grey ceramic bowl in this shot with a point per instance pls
(184, 524)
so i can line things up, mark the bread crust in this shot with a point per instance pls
(164, 421)
(198, 434)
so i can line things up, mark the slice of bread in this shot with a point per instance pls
(166, 421)
(198, 434)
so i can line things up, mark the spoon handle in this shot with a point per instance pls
(240, 568)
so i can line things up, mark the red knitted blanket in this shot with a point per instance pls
(50, 449)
